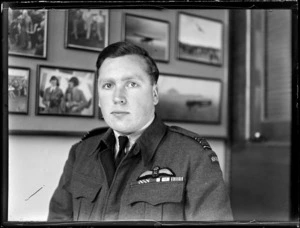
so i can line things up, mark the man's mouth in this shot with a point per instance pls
(119, 113)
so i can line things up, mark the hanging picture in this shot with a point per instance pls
(27, 29)
(150, 34)
(87, 29)
(18, 89)
(65, 91)
(200, 39)
(189, 99)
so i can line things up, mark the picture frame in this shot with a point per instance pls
(28, 32)
(87, 29)
(151, 34)
(200, 39)
(18, 89)
(189, 99)
(74, 94)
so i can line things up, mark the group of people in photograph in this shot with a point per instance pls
(26, 30)
(17, 87)
(92, 22)
(72, 101)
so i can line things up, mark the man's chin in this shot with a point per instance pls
(124, 129)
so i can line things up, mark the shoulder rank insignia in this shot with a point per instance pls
(156, 172)
(190, 134)
(94, 132)
(203, 143)
(214, 158)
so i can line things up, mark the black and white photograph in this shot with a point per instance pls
(150, 33)
(28, 32)
(18, 89)
(65, 91)
(87, 29)
(200, 39)
(189, 99)
(127, 115)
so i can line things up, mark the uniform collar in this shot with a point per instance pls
(132, 137)
(106, 141)
(150, 139)
(53, 88)
(147, 143)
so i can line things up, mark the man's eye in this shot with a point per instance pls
(132, 84)
(107, 86)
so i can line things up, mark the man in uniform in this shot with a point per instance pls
(138, 169)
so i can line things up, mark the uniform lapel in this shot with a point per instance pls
(150, 139)
(106, 153)
(103, 150)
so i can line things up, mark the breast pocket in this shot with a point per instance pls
(155, 201)
(85, 193)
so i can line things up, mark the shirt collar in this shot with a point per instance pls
(131, 137)
(147, 143)
(52, 88)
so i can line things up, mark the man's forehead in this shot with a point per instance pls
(115, 64)
(139, 60)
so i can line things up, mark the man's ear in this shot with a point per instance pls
(155, 94)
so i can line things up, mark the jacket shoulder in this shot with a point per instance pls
(192, 135)
(93, 132)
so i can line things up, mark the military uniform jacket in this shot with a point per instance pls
(168, 175)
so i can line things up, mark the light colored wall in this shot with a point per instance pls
(74, 58)
(37, 161)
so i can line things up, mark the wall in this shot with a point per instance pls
(60, 56)
(36, 161)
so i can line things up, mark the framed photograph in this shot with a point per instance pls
(18, 89)
(189, 99)
(150, 34)
(87, 29)
(27, 29)
(65, 91)
(200, 39)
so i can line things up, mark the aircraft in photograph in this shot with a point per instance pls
(198, 103)
(191, 101)
(146, 38)
(199, 28)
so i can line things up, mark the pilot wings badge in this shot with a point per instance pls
(156, 172)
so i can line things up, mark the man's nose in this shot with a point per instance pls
(119, 96)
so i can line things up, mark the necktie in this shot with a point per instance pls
(123, 140)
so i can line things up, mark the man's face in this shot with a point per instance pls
(126, 96)
(71, 85)
(53, 82)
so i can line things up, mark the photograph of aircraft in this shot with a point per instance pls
(189, 99)
(146, 38)
(200, 39)
(150, 34)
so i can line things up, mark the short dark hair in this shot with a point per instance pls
(123, 48)
(74, 80)
(54, 78)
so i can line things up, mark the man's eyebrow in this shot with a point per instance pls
(133, 77)
(105, 80)
(126, 78)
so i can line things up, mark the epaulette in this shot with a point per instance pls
(93, 132)
(202, 141)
